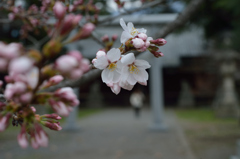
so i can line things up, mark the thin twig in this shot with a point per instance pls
(151, 4)
(182, 19)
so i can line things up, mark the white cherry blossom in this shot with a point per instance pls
(110, 65)
(129, 31)
(133, 70)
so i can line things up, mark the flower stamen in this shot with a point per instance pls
(112, 66)
(133, 31)
(133, 69)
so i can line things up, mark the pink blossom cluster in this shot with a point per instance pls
(72, 65)
(121, 71)
(124, 71)
(31, 71)
(137, 39)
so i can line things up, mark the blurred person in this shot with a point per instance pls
(137, 100)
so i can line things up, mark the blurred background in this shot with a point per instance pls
(198, 96)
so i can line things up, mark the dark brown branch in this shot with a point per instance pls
(149, 5)
(91, 75)
(181, 20)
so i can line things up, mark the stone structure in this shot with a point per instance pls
(186, 99)
(226, 102)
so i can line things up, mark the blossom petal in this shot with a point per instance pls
(142, 30)
(128, 59)
(142, 64)
(130, 26)
(116, 77)
(124, 73)
(101, 63)
(123, 24)
(126, 85)
(131, 80)
(141, 76)
(114, 54)
(125, 36)
(107, 75)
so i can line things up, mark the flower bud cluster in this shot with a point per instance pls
(72, 65)
(7, 53)
(38, 137)
(108, 43)
(137, 39)
(63, 100)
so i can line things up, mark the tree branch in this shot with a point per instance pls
(180, 20)
(149, 5)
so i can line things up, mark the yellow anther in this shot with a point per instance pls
(133, 69)
(112, 66)
(133, 31)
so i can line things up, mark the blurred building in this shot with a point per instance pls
(185, 59)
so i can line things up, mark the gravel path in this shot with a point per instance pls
(111, 134)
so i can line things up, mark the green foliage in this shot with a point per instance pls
(219, 18)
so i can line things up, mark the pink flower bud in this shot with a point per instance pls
(142, 36)
(59, 10)
(22, 138)
(11, 16)
(158, 42)
(33, 109)
(75, 53)
(4, 122)
(56, 79)
(11, 50)
(77, 73)
(20, 65)
(34, 143)
(59, 107)
(115, 88)
(26, 97)
(52, 126)
(114, 37)
(3, 64)
(52, 116)
(138, 43)
(66, 63)
(105, 38)
(85, 65)
(69, 22)
(100, 53)
(41, 136)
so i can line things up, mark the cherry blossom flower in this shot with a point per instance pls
(110, 65)
(129, 31)
(133, 70)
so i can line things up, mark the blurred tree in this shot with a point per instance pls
(219, 18)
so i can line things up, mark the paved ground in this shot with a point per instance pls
(111, 134)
